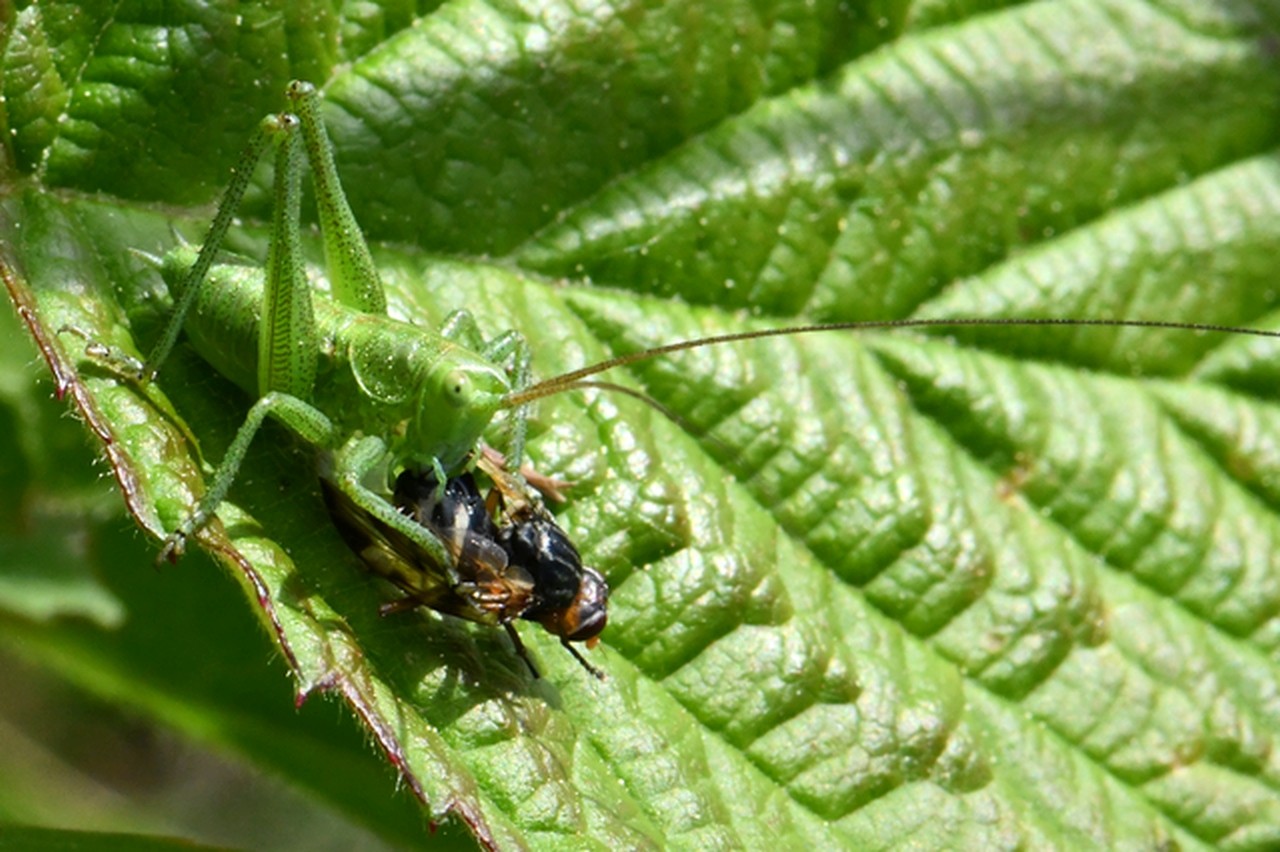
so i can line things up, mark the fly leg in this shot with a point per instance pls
(521, 651)
(549, 487)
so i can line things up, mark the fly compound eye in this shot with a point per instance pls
(590, 610)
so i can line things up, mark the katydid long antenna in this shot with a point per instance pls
(577, 379)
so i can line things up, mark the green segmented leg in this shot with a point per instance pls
(227, 207)
(513, 344)
(461, 326)
(286, 342)
(299, 417)
(353, 278)
(352, 465)
(287, 354)
(287, 348)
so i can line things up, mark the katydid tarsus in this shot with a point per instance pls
(379, 396)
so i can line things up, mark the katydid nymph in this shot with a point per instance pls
(379, 396)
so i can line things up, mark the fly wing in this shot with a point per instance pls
(458, 516)
(395, 557)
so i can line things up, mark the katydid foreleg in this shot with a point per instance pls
(349, 470)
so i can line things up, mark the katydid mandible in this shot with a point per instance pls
(379, 395)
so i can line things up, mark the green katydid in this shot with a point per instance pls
(385, 389)
(379, 395)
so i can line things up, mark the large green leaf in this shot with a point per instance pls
(1010, 587)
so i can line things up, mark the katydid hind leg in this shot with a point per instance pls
(298, 416)
(288, 347)
(268, 129)
(185, 295)
(353, 277)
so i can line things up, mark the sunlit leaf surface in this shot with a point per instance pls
(993, 588)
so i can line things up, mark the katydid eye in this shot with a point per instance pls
(457, 388)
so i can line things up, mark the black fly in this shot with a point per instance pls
(511, 559)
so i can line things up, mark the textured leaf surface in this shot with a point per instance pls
(1003, 587)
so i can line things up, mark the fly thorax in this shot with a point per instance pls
(543, 548)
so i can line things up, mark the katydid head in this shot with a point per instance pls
(458, 397)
